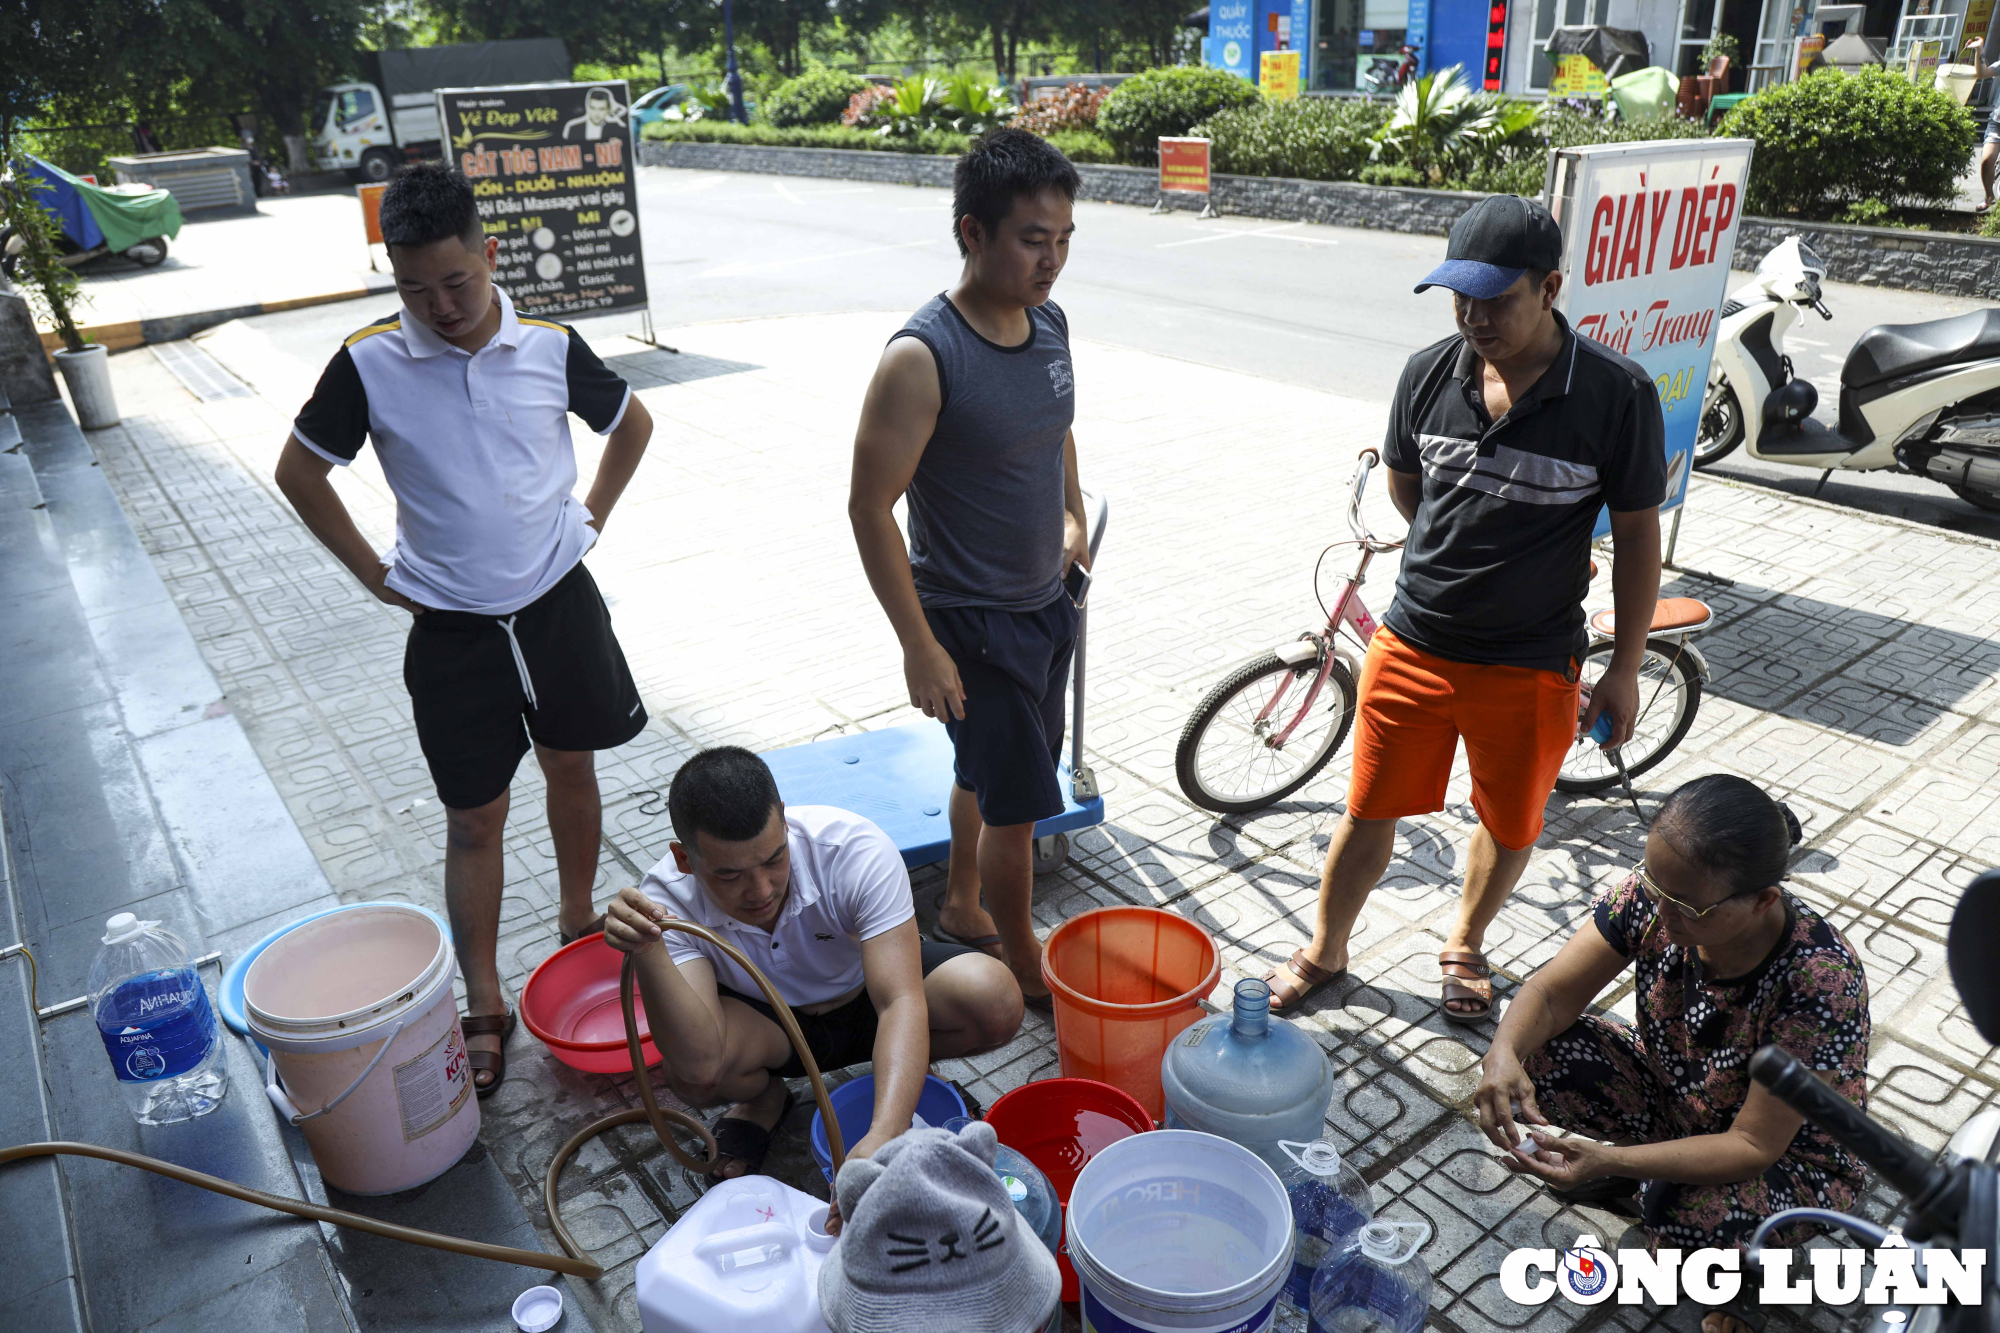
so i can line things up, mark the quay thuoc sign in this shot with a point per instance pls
(551, 165)
(1648, 233)
(1184, 165)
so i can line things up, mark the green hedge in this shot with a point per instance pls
(1317, 138)
(816, 97)
(1166, 102)
(1083, 145)
(805, 136)
(1522, 170)
(1832, 139)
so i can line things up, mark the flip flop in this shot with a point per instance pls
(593, 928)
(746, 1141)
(974, 1108)
(488, 1025)
(1476, 989)
(986, 944)
(1286, 994)
(1040, 1003)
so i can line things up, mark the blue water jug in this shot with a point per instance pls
(1330, 1203)
(1244, 1078)
(1375, 1283)
(156, 1023)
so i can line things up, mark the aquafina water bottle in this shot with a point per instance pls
(156, 1022)
(1330, 1202)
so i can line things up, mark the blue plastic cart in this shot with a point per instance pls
(901, 777)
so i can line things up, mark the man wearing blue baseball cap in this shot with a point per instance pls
(1505, 440)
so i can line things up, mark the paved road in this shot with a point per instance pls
(1324, 307)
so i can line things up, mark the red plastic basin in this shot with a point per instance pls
(1059, 1124)
(571, 1003)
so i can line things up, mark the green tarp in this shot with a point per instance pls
(1645, 94)
(124, 219)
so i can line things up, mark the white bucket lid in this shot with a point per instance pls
(333, 982)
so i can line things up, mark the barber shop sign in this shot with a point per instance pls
(1587, 1274)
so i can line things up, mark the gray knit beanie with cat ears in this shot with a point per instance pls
(931, 1241)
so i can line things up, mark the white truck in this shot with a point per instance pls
(370, 127)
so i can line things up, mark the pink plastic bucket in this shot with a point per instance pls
(366, 1054)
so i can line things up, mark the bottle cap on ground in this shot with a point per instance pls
(538, 1309)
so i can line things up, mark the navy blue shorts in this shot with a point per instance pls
(1014, 666)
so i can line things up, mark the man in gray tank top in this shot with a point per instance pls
(968, 416)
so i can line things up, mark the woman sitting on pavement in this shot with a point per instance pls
(1725, 961)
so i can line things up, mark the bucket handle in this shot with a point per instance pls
(276, 1092)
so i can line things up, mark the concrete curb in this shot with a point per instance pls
(1952, 265)
(131, 333)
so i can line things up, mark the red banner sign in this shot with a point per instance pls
(1184, 165)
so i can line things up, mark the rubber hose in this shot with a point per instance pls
(573, 1261)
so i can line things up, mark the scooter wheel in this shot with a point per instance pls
(149, 253)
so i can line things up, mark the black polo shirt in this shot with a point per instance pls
(1498, 557)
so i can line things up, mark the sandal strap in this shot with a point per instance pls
(485, 1062)
(1471, 959)
(485, 1025)
(1309, 971)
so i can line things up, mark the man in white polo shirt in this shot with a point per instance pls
(510, 641)
(818, 899)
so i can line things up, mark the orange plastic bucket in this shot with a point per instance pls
(1127, 980)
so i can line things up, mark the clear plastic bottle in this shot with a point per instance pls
(157, 1023)
(1244, 1078)
(1034, 1198)
(1375, 1283)
(1330, 1203)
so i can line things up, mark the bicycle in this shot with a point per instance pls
(1245, 747)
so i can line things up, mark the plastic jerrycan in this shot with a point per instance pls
(746, 1256)
(1330, 1203)
(1375, 1283)
(1244, 1078)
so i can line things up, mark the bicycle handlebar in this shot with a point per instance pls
(1364, 464)
(1796, 1086)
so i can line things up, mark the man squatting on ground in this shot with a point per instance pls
(510, 641)
(1505, 440)
(820, 900)
(969, 416)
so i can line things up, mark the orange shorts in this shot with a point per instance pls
(1518, 724)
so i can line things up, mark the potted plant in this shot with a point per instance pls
(51, 288)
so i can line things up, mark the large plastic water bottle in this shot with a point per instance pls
(1375, 1283)
(1244, 1078)
(156, 1022)
(1034, 1198)
(1330, 1202)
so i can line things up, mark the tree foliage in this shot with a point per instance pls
(1832, 139)
(1166, 102)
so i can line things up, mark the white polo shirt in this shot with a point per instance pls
(476, 449)
(848, 885)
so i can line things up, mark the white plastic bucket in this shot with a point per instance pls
(1179, 1232)
(366, 1054)
(1956, 80)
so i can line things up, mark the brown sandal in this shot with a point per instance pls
(495, 1062)
(594, 928)
(1476, 989)
(1291, 996)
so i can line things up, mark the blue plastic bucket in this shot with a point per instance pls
(854, 1106)
(229, 1002)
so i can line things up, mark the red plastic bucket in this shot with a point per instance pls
(1127, 981)
(1059, 1124)
(571, 1003)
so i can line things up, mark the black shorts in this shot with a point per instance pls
(473, 716)
(1014, 666)
(844, 1036)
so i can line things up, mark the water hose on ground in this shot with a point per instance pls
(573, 1261)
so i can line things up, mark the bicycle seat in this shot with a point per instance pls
(1670, 615)
(1890, 350)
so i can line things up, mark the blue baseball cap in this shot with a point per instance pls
(1493, 244)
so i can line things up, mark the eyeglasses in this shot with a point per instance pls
(1684, 910)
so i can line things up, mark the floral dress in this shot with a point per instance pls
(1684, 1069)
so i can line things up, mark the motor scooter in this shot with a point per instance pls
(1952, 1203)
(1386, 74)
(1923, 398)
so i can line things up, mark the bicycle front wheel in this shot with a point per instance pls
(1669, 694)
(1229, 759)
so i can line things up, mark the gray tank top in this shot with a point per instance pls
(986, 503)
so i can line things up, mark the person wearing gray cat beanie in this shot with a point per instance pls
(931, 1241)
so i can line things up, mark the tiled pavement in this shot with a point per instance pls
(1853, 675)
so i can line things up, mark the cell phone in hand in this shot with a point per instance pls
(1077, 584)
